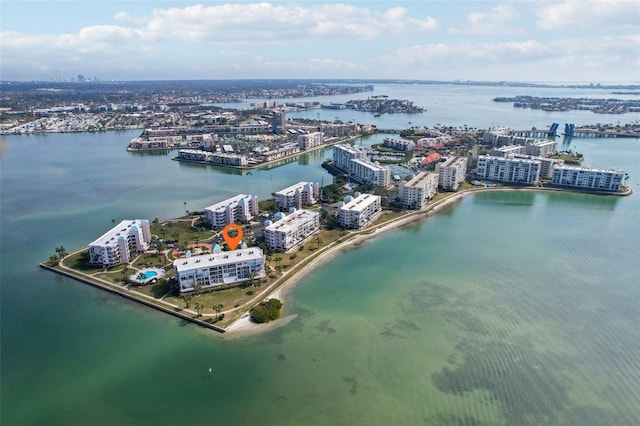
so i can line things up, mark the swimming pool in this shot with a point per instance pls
(149, 274)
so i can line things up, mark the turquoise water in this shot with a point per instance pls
(509, 308)
(150, 274)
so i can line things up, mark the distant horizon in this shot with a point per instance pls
(433, 40)
(586, 83)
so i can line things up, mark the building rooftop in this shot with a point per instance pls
(420, 179)
(454, 161)
(233, 200)
(292, 189)
(511, 158)
(217, 259)
(360, 202)
(586, 168)
(291, 221)
(110, 238)
(369, 164)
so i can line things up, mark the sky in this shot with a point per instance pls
(588, 41)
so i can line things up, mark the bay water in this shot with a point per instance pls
(515, 308)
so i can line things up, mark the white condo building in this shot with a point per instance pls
(419, 190)
(213, 270)
(588, 178)
(541, 148)
(240, 208)
(399, 144)
(451, 172)
(343, 154)
(299, 195)
(290, 230)
(357, 212)
(546, 164)
(508, 169)
(498, 136)
(505, 150)
(370, 173)
(353, 160)
(310, 140)
(119, 244)
(225, 159)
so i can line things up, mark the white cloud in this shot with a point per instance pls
(500, 13)
(521, 60)
(320, 40)
(588, 13)
(103, 39)
(499, 20)
(266, 22)
(122, 17)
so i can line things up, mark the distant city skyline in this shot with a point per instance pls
(585, 41)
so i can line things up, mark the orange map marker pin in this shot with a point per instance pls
(232, 242)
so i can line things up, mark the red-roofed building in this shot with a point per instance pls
(431, 157)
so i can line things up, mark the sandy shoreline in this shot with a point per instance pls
(244, 326)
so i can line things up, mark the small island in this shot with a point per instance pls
(377, 105)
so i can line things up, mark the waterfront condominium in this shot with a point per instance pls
(287, 231)
(343, 154)
(508, 169)
(399, 144)
(120, 243)
(357, 212)
(310, 140)
(415, 193)
(451, 172)
(588, 178)
(498, 136)
(221, 159)
(299, 195)
(240, 208)
(279, 121)
(541, 148)
(370, 173)
(546, 164)
(504, 150)
(213, 270)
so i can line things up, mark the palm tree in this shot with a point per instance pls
(319, 241)
(187, 300)
(199, 307)
(279, 264)
(185, 207)
(218, 308)
(62, 252)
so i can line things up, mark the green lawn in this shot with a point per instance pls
(156, 290)
(229, 298)
(146, 260)
(386, 216)
(76, 261)
(180, 230)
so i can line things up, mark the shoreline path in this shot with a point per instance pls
(277, 289)
(243, 325)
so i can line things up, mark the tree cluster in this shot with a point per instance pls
(266, 311)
